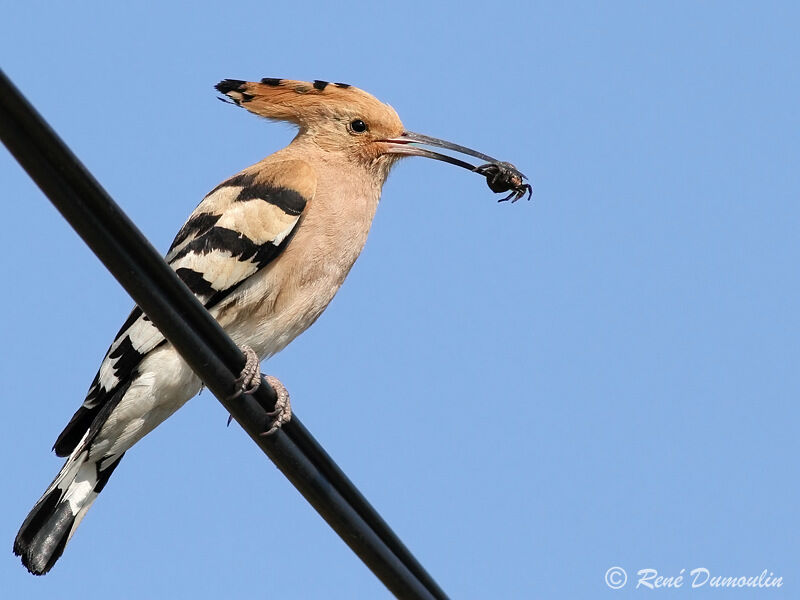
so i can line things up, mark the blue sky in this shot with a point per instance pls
(530, 393)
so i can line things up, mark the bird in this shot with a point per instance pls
(265, 252)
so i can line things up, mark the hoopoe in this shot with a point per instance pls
(265, 252)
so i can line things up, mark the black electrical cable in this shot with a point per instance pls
(203, 344)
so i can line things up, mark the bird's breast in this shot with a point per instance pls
(283, 300)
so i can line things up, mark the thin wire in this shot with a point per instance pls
(204, 345)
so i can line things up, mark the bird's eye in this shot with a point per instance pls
(358, 126)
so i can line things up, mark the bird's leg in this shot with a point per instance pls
(283, 408)
(248, 382)
(250, 377)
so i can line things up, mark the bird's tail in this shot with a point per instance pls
(54, 518)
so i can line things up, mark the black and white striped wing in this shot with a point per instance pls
(238, 229)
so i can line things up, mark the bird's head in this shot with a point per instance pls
(344, 120)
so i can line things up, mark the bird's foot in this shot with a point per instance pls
(250, 377)
(248, 382)
(283, 407)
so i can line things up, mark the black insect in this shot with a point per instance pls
(502, 177)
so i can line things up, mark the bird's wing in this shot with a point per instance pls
(240, 227)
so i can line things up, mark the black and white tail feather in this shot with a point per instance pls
(52, 521)
(49, 526)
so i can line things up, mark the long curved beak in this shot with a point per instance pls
(406, 144)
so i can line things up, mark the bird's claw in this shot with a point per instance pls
(249, 381)
(250, 377)
(283, 407)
